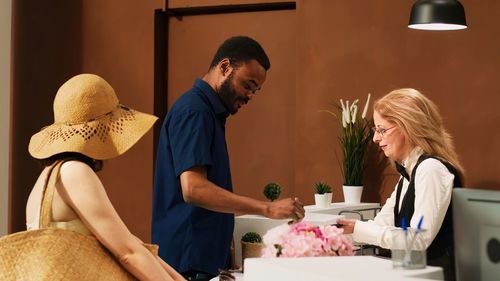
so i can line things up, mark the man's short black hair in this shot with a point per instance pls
(240, 49)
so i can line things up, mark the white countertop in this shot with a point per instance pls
(356, 268)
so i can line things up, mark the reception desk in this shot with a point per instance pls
(356, 268)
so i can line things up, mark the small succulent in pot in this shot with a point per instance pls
(251, 246)
(251, 237)
(322, 188)
(323, 196)
(272, 191)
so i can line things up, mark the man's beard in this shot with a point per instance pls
(228, 95)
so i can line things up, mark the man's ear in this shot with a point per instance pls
(225, 67)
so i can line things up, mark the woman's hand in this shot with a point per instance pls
(347, 224)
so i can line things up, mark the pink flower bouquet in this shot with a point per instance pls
(306, 240)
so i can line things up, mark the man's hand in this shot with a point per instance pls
(347, 224)
(199, 191)
(286, 208)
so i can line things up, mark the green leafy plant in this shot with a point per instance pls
(272, 191)
(322, 188)
(355, 136)
(251, 237)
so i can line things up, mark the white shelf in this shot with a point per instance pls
(336, 208)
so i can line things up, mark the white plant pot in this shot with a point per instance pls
(328, 196)
(352, 194)
(323, 200)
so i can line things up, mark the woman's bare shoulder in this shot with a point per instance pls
(75, 173)
(75, 166)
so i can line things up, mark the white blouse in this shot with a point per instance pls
(433, 189)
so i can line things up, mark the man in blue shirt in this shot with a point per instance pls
(193, 202)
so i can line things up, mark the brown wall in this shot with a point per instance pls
(346, 49)
(54, 40)
(260, 137)
(323, 51)
(46, 48)
(350, 48)
(118, 44)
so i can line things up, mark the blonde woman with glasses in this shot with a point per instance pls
(410, 132)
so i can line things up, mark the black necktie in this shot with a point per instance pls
(401, 169)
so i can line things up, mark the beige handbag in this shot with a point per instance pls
(57, 254)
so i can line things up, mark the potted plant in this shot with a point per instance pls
(355, 136)
(323, 194)
(251, 246)
(272, 191)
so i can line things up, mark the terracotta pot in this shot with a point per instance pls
(250, 250)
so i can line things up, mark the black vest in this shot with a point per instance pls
(440, 252)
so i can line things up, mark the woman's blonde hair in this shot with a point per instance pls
(419, 119)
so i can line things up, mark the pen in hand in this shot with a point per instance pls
(347, 225)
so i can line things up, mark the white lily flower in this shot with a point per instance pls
(354, 112)
(343, 106)
(354, 103)
(366, 106)
(345, 116)
(347, 113)
(344, 109)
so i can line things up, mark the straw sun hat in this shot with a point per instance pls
(89, 119)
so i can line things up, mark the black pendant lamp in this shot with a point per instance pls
(437, 15)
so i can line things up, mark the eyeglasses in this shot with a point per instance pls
(381, 131)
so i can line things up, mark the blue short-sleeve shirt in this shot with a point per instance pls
(192, 134)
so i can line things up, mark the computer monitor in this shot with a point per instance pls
(476, 226)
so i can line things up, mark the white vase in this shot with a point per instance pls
(352, 194)
(323, 200)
